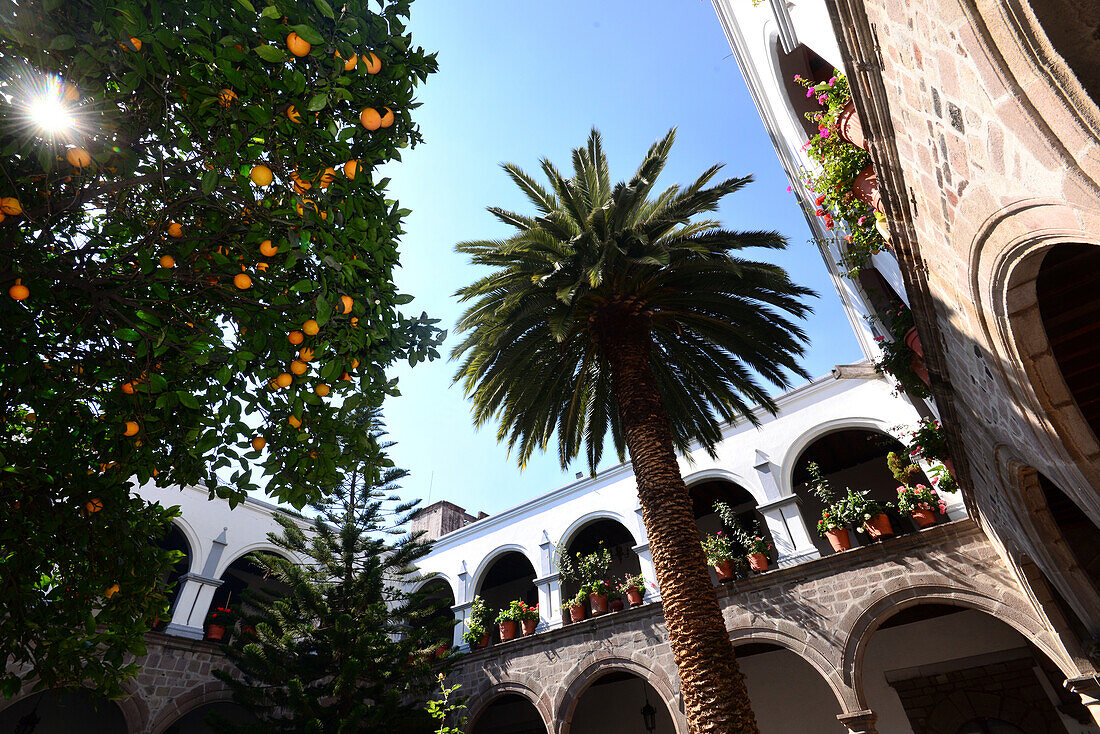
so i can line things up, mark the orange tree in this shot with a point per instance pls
(196, 261)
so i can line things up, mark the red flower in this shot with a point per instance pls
(820, 212)
(818, 201)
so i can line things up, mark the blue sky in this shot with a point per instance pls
(522, 80)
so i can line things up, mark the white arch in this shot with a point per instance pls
(593, 516)
(496, 553)
(193, 543)
(795, 448)
(724, 475)
(265, 546)
(420, 583)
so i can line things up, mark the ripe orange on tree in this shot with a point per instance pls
(93, 505)
(242, 281)
(132, 428)
(134, 44)
(267, 249)
(261, 175)
(294, 421)
(387, 119)
(259, 442)
(372, 62)
(10, 205)
(284, 379)
(226, 97)
(305, 354)
(370, 119)
(322, 390)
(347, 303)
(167, 261)
(350, 63)
(351, 168)
(295, 337)
(298, 367)
(175, 230)
(293, 114)
(310, 327)
(19, 291)
(78, 157)
(298, 45)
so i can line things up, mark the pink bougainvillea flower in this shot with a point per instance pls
(832, 82)
(809, 93)
(861, 221)
(823, 99)
(788, 189)
(824, 132)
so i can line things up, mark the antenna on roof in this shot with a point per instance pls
(431, 480)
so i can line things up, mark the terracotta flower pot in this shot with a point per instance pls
(507, 630)
(839, 539)
(248, 631)
(634, 597)
(865, 187)
(849, 126)
(725, 570)
(529, 626)
(920, 369)
(576, 612)
(758, 562)
(912, 340)
(215, 631)
(924, 518)
(879, 526)
(484, 641)
(615, 605)
(598, 602)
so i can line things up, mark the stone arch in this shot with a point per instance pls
(1050, 544)
(493, 555)
(177, 707)
(595, 665)
(132, 705)
(805, 646)
(860, 623)
(539, 699)
(1006, 255)
(1019, 50)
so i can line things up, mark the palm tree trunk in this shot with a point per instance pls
(713, 688)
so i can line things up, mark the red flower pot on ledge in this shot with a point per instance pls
(529, 626)
(725, 570)
(923, 518)
(484, 641)
(758, 562)
(615, 605)
(507, 630)
(879, 526)
(634, 597)
(598, 602)
(576, 612)
(865, 188)
(215, 632)
(839, 539)
(849, 127)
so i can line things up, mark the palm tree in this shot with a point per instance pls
(609, 310)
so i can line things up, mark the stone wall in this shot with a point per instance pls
(824, 610)
(987, 149)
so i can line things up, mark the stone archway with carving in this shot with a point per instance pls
(535, 694)
(597, 664)
(1006, 254)
(132, 705)
(858, 626)
(178, 707)
(821, 656)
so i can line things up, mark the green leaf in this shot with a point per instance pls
(318, 102)
(247, 6)
(271, 53)
(209, 182)
(62, 43)
(187, 399)
(128, 335)
(325, 8)
(307, 33)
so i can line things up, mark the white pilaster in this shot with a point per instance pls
(793, 543)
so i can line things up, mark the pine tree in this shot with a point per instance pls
(347, 647)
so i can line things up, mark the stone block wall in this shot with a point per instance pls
(825, 611)
(988, 151)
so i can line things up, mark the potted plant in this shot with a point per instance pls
(898, 358)
(842, 173)
(929, 443)
(477, 624)
(634, 589)
(217, 623)
(597, 596)
(722, 550)
(833, 525)
(508, 619)
(528, 618)
(758, 547)
(866, 514)
(575, 606)
(922, 503)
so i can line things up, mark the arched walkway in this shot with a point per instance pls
(243, 578)
(848, 457)
(436, 597)
(772, 673)
(205, 718)
(508, 577)
(72, 711)
(508, 713)
(605, 533)
(618, 701)
(630, 680)
(175, 540)
(938, 662)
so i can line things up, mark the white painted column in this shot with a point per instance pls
(549, 587)
(192, 604)
(793, 543)
(462, 613)
(645, 560)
